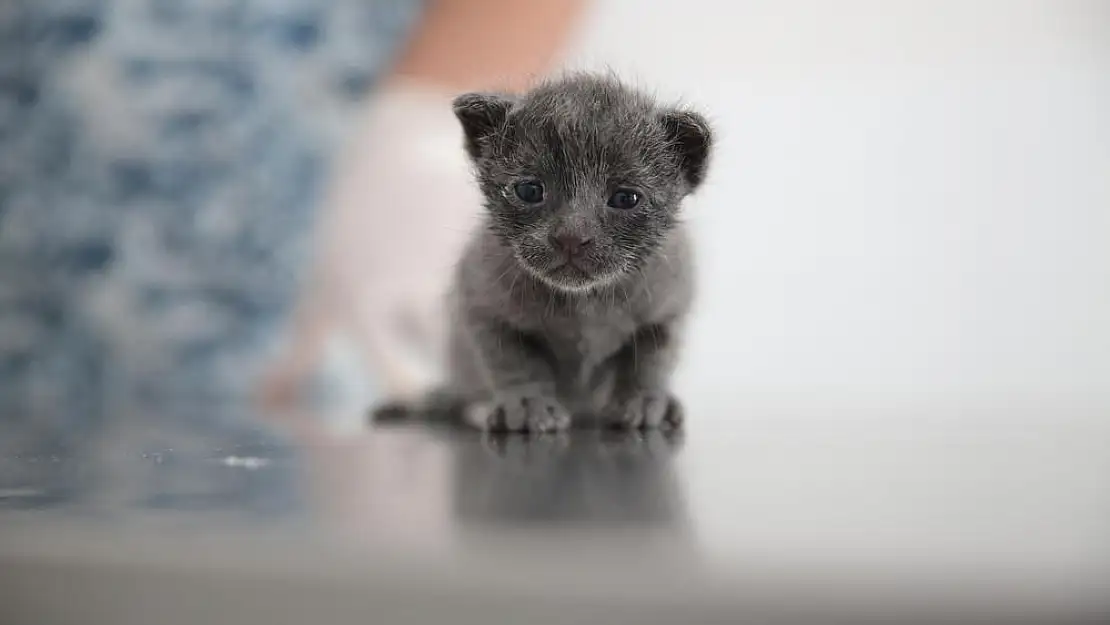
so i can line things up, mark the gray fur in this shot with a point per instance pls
(538, 340)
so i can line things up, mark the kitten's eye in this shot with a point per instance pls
(529, 191)
(624, 199)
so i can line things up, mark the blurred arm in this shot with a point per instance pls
(409, 135)
(476, 44)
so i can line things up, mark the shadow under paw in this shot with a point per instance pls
(526, 413)
(647, 410)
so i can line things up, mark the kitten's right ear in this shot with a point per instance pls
(689, 135)
(480, 114)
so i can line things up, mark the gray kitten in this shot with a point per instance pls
(570, 301)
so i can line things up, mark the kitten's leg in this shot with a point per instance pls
(520, 377)
(642, 398)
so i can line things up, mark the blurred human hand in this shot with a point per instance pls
(402, 201)
(398, 213)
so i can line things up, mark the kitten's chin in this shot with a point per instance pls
(570, 279)
(569, 284)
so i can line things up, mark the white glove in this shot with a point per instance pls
(394, 222)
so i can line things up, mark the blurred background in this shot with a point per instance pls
(225, 226)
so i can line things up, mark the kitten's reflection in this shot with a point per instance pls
(581, 478)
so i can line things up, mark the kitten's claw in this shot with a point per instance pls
(526, 413)
(648, 410)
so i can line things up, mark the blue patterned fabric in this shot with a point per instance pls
(159, 162)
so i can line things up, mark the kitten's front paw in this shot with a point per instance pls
(647, 410)
(526, 413)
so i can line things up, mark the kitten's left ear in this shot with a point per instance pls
(689, 135)
(480, 114)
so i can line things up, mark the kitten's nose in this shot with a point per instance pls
(571, 244)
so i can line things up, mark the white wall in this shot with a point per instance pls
(910, 202)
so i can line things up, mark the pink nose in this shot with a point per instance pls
(569, 243)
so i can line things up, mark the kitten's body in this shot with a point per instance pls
(571, 300)
(582, 335)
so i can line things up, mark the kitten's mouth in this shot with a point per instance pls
(567, 277)
(570, 269)
(565, 272)
(570, 276)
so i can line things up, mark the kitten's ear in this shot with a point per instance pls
(480, 114)
(690, 137)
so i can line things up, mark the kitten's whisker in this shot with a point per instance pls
(513, 284)
(508, 268)
(647, 286)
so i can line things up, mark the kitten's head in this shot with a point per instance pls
(583, 176)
